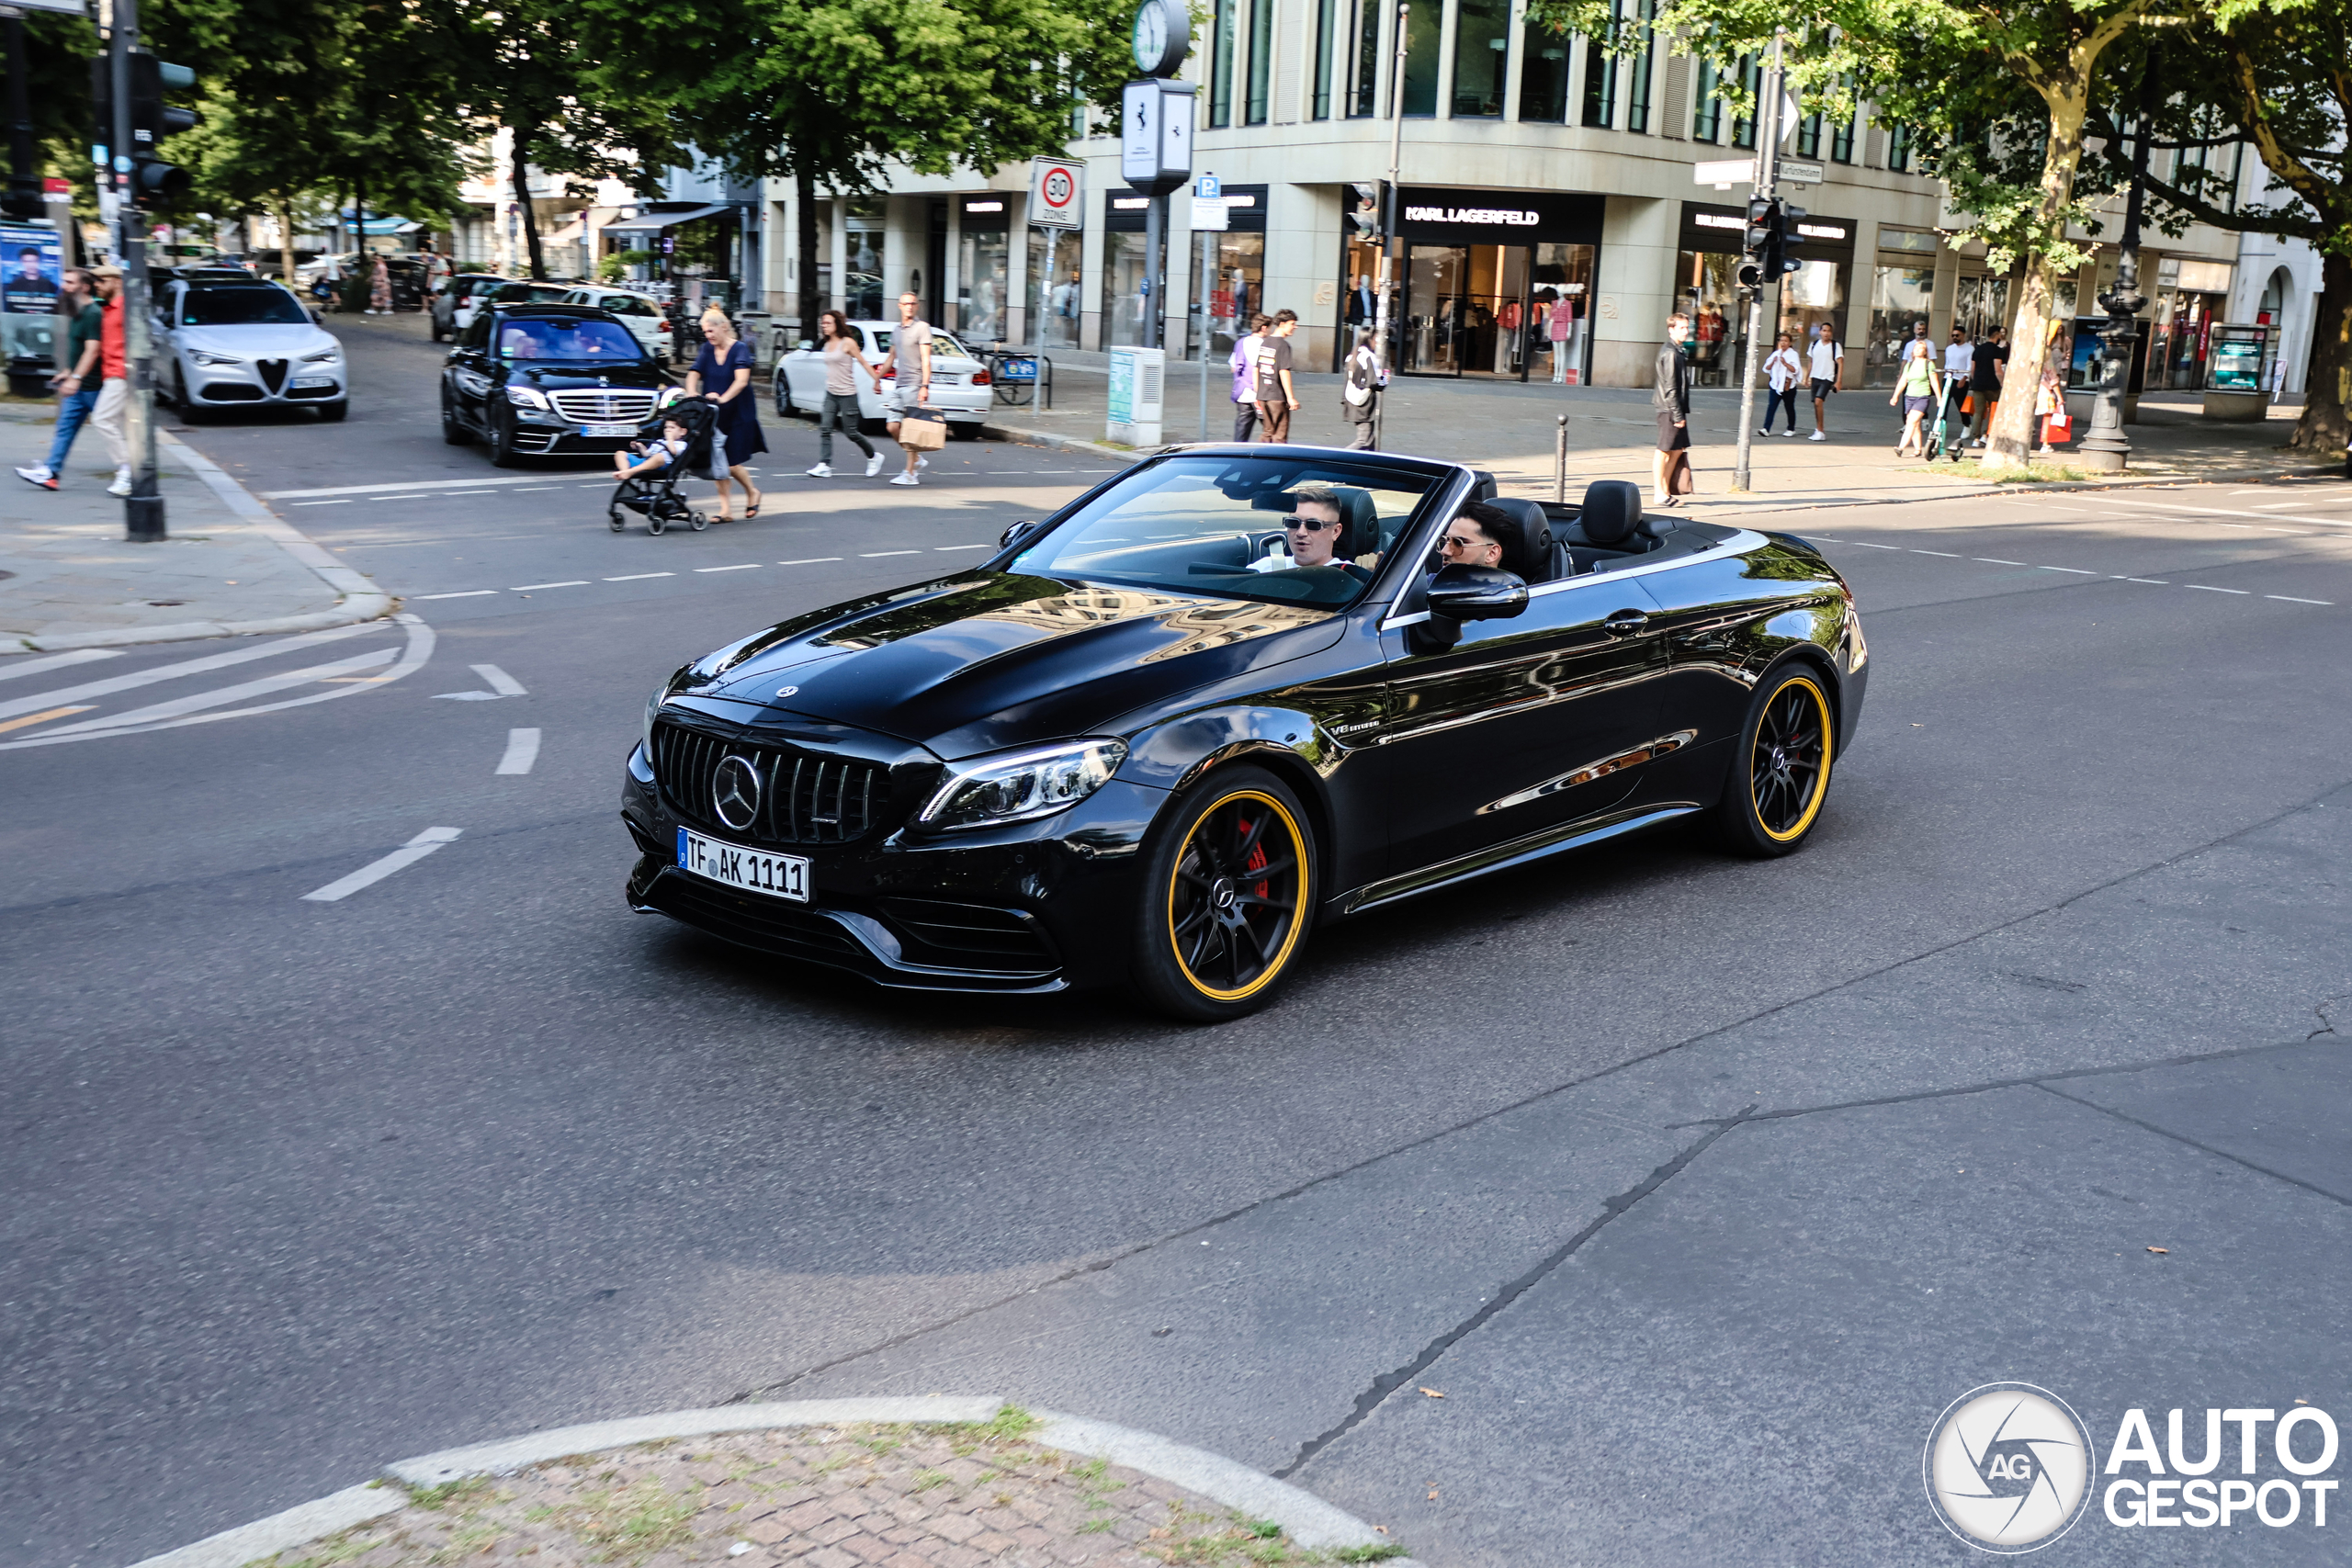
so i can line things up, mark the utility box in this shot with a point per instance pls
(1138, 392)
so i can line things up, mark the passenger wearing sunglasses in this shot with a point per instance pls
(1312, 531)
(1469, 540)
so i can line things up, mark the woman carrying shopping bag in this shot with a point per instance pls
(1359, 392)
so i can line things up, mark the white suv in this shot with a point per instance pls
(640, 315)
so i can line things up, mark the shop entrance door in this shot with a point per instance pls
(1466, 310)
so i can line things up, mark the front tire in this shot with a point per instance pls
(1227, 897)
(501, 440)
(182, 403)
(334, 413)
(1779, 774)
(784, 408)
(452, 430)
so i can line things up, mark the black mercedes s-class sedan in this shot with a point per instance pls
(1162, 734)
(542, 380)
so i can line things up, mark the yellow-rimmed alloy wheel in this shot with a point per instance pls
(1780, 773)
(1228, 895)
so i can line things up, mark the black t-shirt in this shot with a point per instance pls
(1271, 360)
(1982, 375)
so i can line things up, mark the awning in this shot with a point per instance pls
(650, 223)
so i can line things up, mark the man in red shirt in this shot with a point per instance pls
(113, 366)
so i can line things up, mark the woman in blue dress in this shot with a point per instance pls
(722, 372)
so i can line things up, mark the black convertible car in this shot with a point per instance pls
(1143, 741)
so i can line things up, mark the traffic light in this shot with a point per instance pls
(1755, 240)
(1778, 263)
(153, 182)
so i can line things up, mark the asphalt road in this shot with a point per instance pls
(1696, 1188)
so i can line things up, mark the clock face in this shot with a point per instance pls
(1151, 36)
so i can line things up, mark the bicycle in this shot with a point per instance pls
(1016, 375)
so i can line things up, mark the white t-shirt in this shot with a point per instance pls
(1782, 369)
(1824, 358)
(1959, 358)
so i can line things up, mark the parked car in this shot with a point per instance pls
(235, 341)
(455, 298)
(1144, 742)
(642, 315)
(542, 380)
(959, 382)
(510, 291)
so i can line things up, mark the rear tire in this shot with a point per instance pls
(1779, 773)
(1227, 897)
(784, 408)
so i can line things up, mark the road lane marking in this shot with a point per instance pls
(1864, 544)
(963, 547)
(2209, 588)
(877, 555)
(2151, 581)
(640, 576)
(529, 490)
(522, 750)
(535, 587)
(442, 486)
(2291, 599)
(1948, 555)
(2076, 570)
(470, 493)
(499, 680)
(1996, 561)
(11, 670)
(747, 565)
(418, 496)
(808, 560)
(375, 871)
(32, 718)
(322, 504)
(172, 671)
(468, 594)
(227, 695)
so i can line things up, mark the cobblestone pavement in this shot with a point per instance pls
(825, 1498)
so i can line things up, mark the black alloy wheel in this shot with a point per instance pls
(186, 405)
(1780, 772)
(1227, 897)
(334, 413)
(501, 439)
(453, 430)
(784, 408)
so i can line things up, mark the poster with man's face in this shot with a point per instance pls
(31, 261)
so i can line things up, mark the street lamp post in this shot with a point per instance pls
(2104, 446)
(1388, 239)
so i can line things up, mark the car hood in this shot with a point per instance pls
(555, 374)
(260, 339)
(990, 660)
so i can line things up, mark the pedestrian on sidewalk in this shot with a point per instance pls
(113, 367)
(1360, 392)
(1245, 378)
(909, 381)
(1960, 366)
(1986, 366)
(380, 289)
(77, 389)
(1917, 387)
(1671, 400)
(841, 408)
(722, 372)
(1277, 395)
(1827, 366)
(2050, 403)
(1782, 373)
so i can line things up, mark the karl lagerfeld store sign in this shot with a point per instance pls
(1430, 214)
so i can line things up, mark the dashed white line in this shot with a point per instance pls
(1996, 561)
(963, 547)
(468, 594)
(534, 587)
(2291, 599)
(1948, 555)
(747, 565)
(499, 680)
(640, 576)
(2151, 581)
(877, 555)
(367, 876)
(2076, 570)
(1861, 542)
(470, 493)
(420, 495)
(2209, 588)
(522, 750)
(808, 560)
(321, 503)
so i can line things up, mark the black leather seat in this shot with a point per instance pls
(1362, 535)
(1528, 549)
(1612, 517)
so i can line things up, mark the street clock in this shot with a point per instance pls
(1164, 36)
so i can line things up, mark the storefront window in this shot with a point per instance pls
(985, 274)
(1123, 276)
(862, 289)
(1421, 58)
(1560, 314)
(1240, 269)
(1706, 290)
(1055, 299)
(1481, 58)
(1980, 305)
(1900, 296)
(1543, 81)
(1813, 294)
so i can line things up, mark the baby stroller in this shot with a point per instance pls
(654, 495)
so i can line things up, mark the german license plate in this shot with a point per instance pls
(753, 871)
(608, 430)
(314, 380)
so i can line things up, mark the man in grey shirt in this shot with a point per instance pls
(911, 353)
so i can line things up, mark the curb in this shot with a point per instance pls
(360, 600)
(1308, 1520)
(1054, 439)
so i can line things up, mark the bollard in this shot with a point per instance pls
(1560, 465)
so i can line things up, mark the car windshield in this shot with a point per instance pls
(626, 305)
(1216, 526)
(569, 340)
(241, 307)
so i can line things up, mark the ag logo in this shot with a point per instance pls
(2009, 1467)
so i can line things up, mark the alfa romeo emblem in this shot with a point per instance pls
(735, 791)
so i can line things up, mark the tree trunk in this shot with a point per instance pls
(2327, 376)
(523, 201)
(285, 240)
(812, 299)
(2013, 434)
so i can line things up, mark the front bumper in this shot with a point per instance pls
(263, 381)
(542, 433)
(1036, 907)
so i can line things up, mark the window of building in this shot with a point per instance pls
(1637, 102)
(1842, 133)
(1919, 242)
(1898, 149)
(1221, 26)
(1481, 58)
(1743, 127)
(1364, 96)
(1707, 117)
(1056, 300)
(1421, 35)
(1601, 75)
(985, 274)
(1236, 294)
(1900, 297)
(1544, 80)
(1809, 137)
(1123, 298)
(1262, 60)
(866, 242)
(1327, 20)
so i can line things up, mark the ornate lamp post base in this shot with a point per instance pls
(2105, 448)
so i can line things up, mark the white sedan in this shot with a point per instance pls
(642, 316)
(227, 345)
(959, 382)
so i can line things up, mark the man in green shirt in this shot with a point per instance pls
(78, 388)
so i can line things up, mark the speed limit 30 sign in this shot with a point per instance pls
(1057, 193)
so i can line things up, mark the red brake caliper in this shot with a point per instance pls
(1257, 861)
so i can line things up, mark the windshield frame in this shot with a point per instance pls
(301, 317)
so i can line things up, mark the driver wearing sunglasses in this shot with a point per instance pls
(1312, 530)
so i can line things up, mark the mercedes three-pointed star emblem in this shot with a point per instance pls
(735, 791)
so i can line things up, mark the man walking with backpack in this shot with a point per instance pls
(1827, 369)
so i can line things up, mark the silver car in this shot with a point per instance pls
(959, 382)
(450, 303)
(640, 314)
(229, 345)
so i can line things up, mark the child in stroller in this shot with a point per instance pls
(675, 446)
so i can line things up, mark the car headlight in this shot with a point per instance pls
(526, 396)
(652, 711)
(991, 790)
(322, 356)
(202, 357)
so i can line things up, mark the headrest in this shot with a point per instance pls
(1612, 512)
(1363, 518)
(1526, 535)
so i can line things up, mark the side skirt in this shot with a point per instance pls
(1516, 852)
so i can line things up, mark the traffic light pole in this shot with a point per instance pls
(142, 510)
(1767, 157)
(1389, 238)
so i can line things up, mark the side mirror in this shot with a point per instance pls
(1476, 593)
(1015, 532)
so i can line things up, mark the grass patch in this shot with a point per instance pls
(451, 1492)
(927, 1479)
(634, 1522)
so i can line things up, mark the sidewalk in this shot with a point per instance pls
(69, 579)
(1511, 429)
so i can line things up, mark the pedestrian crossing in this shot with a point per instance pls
(256, 676)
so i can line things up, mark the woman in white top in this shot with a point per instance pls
(841, 410)
(1782, 373)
